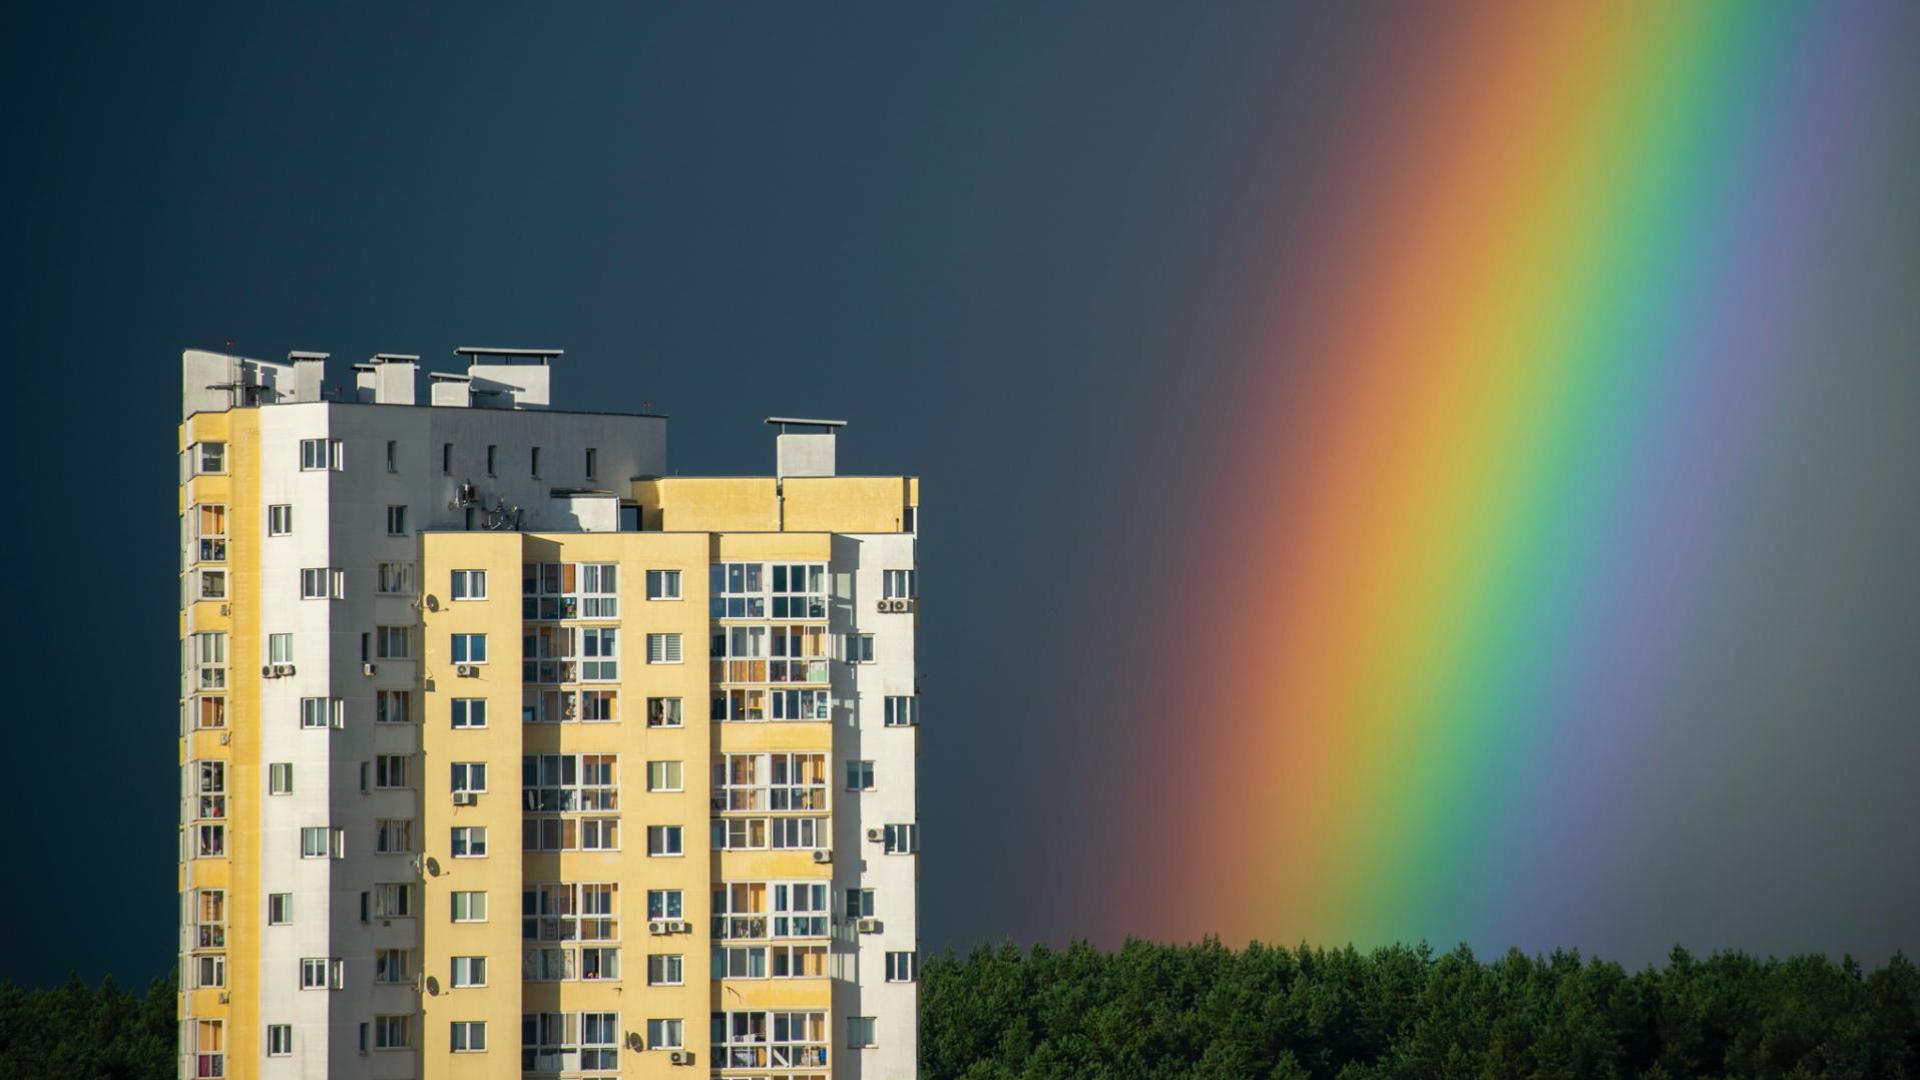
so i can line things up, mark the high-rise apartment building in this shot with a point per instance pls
(505, 754)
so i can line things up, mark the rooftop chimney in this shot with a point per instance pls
(804, 447)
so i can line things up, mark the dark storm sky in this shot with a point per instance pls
(995, 238)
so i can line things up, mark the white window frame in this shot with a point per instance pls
(666, 841)
(279, 648)
(468, 585)
(666, 969)
(867, 1024)
(666, 776)
(902, 838)
(857, 648)
(903, 966)
(665, 649)
(280, 778)
(467, 714)
(902, 710)
(469, 842)
(394, 578)
(279, 1040)
(666, 1034)
(280, 519)
(900, 584)
(469, 776)
(279, 909)
(663, 585)
(467, 1036)
(464, 643)
(468, 972)
(859, 774)
(665, 713)
(466, 898)
(215, 449)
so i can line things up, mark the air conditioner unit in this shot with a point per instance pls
(678, 926)
(657, 926)
(369, 668)
(283, 669)
(465, 671)
(876, 834)
(822, 855)
(868, 926)
(266, 671)
(464, 798)
(681, 1057)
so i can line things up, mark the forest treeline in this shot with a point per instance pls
(1159, 1012)
(1205, 1012)
(87, 1033)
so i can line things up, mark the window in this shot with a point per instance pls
(469, 776)
(569, 1042)
(470, 842)
(599, 706)
(469, 648)
(396, 521)
(469, 584)
(568, 914)
(210, 972)
(781, 1040)
(209, 1048)
(446, 459)
(859, 903)
(209, 653)
(211, 712)
(209, 910)
(321, 583)
(663, 648)
(392, 706)
(533, 462)
(491, 455)
(210, 528)
(213, 584)
(390, 642)
(664, 1034)
(902, 711)
(212, 458)
(799, 591)
(280, 778)
(469, 712)
(903, 839)
(392, 1032)
(212, 786)
(769, 782)
(393, 836)
(664, 840)
(319, 712)
(392, 771)
(663, 584)
(664, 904)
(279, 908)
(593, 462)
(280, 648)
(280, 520)
(600, 652)
(313, 973)
(665, 970)
(322, 454)
(859, 776)
(859, 648)
(663, 712)
(469, 971)
(469, 1036)
(392, 966)
(599, 591)
(211, 841)
(469, 907)
(860, 1032)
(395, 578)
(393, 900)
(801, 704)
(393, 456)
(899, 584)
(902, 966)
(663, 776)
(279, 1040)
(313, 842)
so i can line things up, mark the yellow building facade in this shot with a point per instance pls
(504, 755)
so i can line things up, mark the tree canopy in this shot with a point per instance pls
(1205, 1012)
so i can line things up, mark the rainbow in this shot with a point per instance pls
(1478, 448)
